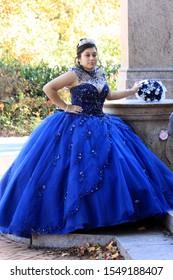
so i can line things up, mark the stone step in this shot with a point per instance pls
(154, 244)
(19, 239)
(168, 221)
(70, 240)
(135, 242)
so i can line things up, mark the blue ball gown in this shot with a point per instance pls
(83, 171)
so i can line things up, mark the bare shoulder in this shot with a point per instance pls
(67, 79)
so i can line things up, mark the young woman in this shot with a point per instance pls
(82, 168)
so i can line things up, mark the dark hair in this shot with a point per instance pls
(82, 48)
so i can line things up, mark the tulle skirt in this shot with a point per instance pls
(82, 172)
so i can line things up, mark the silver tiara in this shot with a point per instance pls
(86, 41)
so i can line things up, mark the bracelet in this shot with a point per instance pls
(66, 108)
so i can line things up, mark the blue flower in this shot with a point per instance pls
(151, 90)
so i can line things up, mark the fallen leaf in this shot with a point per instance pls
(142, 228)
(91, 249)
(65, 254)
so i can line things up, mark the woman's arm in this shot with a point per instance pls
(113, 95)
(67, 79)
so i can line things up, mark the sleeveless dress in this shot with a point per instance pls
(83, 171)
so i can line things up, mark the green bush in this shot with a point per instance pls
(33, 78)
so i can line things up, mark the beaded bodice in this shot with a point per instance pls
(91, 92)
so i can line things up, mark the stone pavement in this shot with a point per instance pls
(135, 242)
(13, 250)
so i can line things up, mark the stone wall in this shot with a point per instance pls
(147, 120)
(146, 42)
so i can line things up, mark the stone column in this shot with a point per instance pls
(147, 53)
(146, 42)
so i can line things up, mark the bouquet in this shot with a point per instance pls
(151, 90)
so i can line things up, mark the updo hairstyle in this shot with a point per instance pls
(84, 44)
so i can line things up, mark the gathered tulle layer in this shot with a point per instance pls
(82, 172)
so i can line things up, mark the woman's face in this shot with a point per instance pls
(88, 59)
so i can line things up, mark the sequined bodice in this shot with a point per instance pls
(91, 92)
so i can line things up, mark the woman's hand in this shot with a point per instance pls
(73, 109)
(135, 88)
